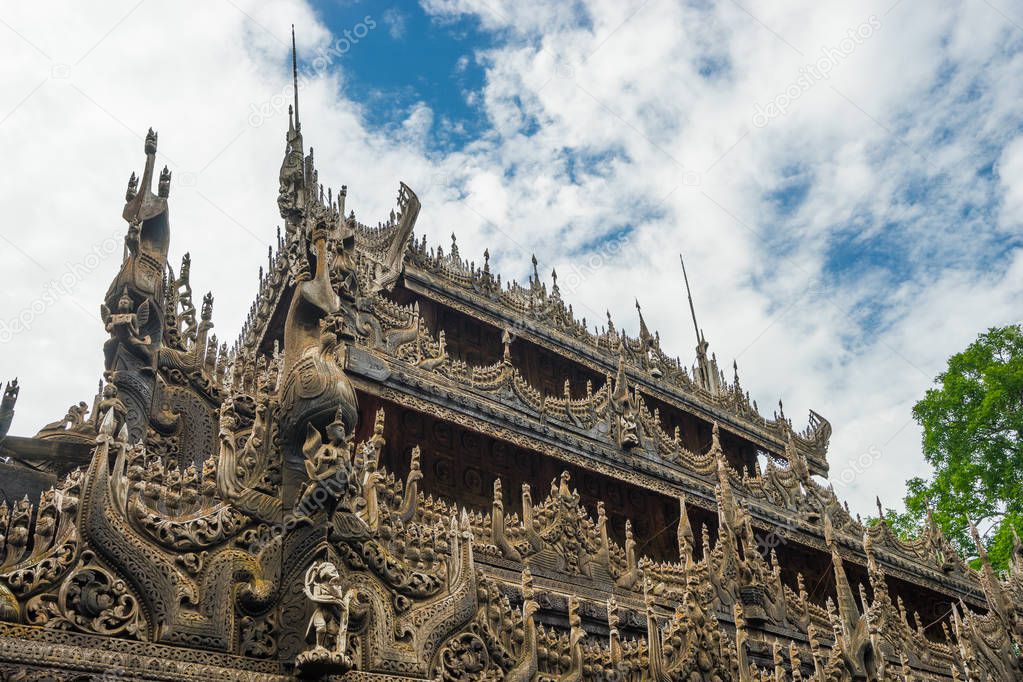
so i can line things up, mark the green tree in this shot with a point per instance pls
(973, 438)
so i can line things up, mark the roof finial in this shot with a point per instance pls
(692, 310)
(294, 75)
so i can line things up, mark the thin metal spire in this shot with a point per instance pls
(692, 310)
(294, 74)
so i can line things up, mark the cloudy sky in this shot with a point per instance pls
(845, 179)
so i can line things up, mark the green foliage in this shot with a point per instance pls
(973, 438)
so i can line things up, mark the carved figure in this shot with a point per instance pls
(328, 627)
(624, 409)
(111, 403)
(328, 466)
(125, 327)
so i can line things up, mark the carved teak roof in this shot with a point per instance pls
(240, 512)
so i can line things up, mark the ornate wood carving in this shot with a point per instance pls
(486, 519)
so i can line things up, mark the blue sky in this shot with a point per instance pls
(845, 179)
(415, 58)
(412, 58)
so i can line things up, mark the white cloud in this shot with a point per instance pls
(395, 22)
(1010, 175)
(605, 116)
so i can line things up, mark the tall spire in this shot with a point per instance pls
(291, 198)
(706, 370)
(294, 76)
(692, 309)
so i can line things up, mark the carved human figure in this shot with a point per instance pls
(125, 327)
(624, 409)
(506, 341)
(110, 401)
(21, 518)
(133, 236)
(614, 635)
(329, 622)
(328, 465)
(370, 479)
(327, 458)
